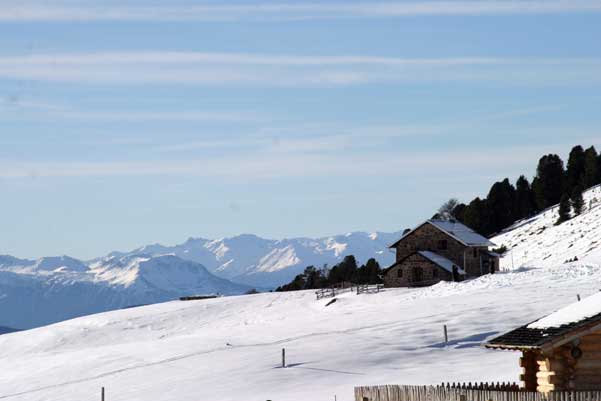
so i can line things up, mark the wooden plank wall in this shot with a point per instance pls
(438, 393)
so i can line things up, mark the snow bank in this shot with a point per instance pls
(229, 348)
(573, 313)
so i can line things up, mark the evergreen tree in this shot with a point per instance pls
(476, 217)
(344, 271)
(598, 180)
(369, 273)
(564, 209)
(575, 169)
(524, 199)
(459, 211)
(550, 174)
(313, 278)
(500, 204)
(592, 169)
(298, 283)
(577, 201)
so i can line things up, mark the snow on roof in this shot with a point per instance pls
(573, 313)
(441, 261)
(461, 232)
(455, 229)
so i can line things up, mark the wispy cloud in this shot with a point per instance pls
(290, 70)
(237, 11)
(261, 165)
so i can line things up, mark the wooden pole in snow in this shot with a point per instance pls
(578, 297)
(446, 335)
(102, 394)
(283, 357)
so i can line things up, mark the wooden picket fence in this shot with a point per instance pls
(450, 393)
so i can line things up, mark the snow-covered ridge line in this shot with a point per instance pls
(35, 293)
(261, 262)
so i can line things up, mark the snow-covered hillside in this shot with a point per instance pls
(539, 242)
(34, 293)
(268, 263)
(229, 348)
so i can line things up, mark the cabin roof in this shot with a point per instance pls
(441, 261)
(573, 321)
(454, 229)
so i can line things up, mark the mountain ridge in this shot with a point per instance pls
(253, 260)
(36, 293)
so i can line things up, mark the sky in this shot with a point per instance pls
(124, 123)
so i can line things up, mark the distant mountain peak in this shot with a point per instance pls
(52, 263)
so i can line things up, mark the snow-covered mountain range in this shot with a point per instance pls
(51, 289)
(266, 263)
(35, 293)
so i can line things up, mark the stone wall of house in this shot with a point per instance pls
(413, 270)
(429, 238)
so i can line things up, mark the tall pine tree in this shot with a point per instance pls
(564, 209)
(592, 171)
(476, 217)
(550, 181)
(577, 200)
(575, 169)
(524, 199)
(500, 204)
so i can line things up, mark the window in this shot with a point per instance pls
(443, 244)
(475, 253)
(435, 272)
(399, 273)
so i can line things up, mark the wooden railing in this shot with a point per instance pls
(326, 293)
(332, 291)
(369, 288)
(440, 393)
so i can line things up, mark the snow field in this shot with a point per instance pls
(230, 348)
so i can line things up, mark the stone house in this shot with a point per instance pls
(561, 351)
(438, 250)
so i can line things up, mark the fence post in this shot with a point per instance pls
(578, 297)
(446, 335)
(283, 358)
(102, 394)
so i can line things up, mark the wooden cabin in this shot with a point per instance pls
(439, 250)
(560, 352)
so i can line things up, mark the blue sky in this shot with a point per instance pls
(130, 122)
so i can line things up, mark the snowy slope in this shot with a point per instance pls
(268, 263)
(539, 242)
(34, 293)
(229, 348)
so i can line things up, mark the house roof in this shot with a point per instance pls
(441, 261)
(573, 321)
(455, 229)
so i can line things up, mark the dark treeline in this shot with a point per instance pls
(554, 183)
(345, 271)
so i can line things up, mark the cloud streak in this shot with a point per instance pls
(210, 69)
(81, 11)
(264, 165)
